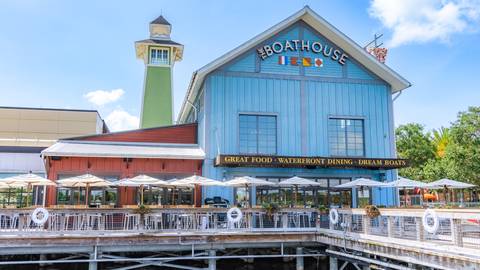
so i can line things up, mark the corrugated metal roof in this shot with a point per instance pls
(124, 150)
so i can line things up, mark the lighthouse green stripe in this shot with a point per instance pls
(157, 100)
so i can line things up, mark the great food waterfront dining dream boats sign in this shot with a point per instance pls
(309, 162)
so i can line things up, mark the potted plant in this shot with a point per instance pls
(270, 208)
(323, 209)
(142, 210)
(372, 211)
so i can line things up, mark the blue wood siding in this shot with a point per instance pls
(246, 63)
(302, 103)
(330, 68)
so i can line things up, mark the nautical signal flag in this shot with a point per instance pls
(295, 61)
(283, 60)
(307, 62)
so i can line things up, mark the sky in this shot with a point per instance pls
(81, 55)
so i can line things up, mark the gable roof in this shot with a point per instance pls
(318, 23)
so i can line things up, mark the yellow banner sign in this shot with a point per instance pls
(325, 162)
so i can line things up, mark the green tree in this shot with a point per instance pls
(440, 140)
(463, 152)
(414, 144)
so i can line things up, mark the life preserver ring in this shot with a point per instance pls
(40, 216)
(238, 213)
(333, 216)
(430, 214)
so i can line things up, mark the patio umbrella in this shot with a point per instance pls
(405, 183)
(86, 181)
(248, 182)
(28, 180)
(298, 182)
(195, 181)
(446, 183)
(449, 183)
(361, 182)
(141, 181)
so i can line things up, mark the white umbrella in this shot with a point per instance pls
(196, 180)
(141, 181)
(247, 182)
(28, 180)
(403, 182)
(86, 181)
(361, 182)
(298, 182)
(449, 183)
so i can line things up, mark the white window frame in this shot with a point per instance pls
(158, 61)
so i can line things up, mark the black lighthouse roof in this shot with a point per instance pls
(160, 20)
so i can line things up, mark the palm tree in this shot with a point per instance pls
(441, 139)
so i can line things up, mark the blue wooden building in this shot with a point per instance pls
(300, 99)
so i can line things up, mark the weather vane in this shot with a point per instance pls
(373, 47)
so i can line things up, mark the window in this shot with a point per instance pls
(159, 57)
(346, 137)
(258, 134)
(324, 194)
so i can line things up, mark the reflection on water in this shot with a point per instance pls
(258, 264)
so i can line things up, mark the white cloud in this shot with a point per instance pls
(102, 97)
(420, 21)
(120, 119)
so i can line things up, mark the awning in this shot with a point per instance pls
(124, 150)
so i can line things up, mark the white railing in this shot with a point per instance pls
(101, 221)
(459, 227)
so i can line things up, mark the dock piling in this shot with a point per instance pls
(212, 262)
(300, 262)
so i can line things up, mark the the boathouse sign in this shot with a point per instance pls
(308, 162)
(294, 45)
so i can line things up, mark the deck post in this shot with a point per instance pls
(419, 229)
(300, 263)
(93, 256)
(92, 265)
(390, 226)
(212, 262)
(366, 224)
(333, 263)
(457, 232)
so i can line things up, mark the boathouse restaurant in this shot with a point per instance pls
(300, 99)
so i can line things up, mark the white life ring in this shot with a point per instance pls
(40, 216)
(430, 214)
(237, 211)
(333, 215)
